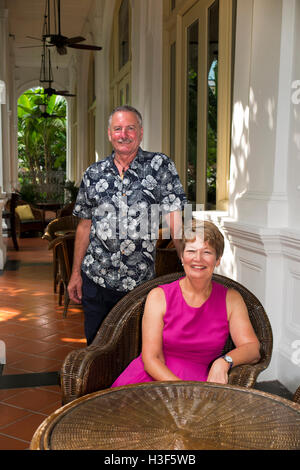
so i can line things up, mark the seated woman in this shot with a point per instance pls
(186, 323)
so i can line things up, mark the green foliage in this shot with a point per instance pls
(41, 142)
(211, 168)
(211, 157)
(28, 192)
(72, 190)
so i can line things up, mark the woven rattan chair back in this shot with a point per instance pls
(118, 341)
(69, 222)
(63, 252)
(296, 396)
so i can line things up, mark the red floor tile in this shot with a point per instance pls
(37, 339)
(32, 399)
(10, 443)
(36, 364)
(25, 428)
(10, 414)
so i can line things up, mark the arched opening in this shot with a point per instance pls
(42, 146)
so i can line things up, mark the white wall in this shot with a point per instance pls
(263, 223)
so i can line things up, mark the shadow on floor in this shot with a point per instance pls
(274, 387)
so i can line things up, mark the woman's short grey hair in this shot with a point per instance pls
(128, 109)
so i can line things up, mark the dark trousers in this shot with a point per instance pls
(97, 302)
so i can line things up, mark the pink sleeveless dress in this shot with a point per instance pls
(192, 336)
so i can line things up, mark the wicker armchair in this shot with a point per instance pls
(66, 210)
(296, 396)
(62, 224)
(118, 341)
(166, 260)
(66, 223)
(28, 225)
(63, 251)
(9, 215)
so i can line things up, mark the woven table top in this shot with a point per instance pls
(173, 415)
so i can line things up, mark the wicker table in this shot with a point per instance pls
(173, 415)
(48, 206)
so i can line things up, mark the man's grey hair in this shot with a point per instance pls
(128, 109)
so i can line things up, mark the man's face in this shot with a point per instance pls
(125, 133)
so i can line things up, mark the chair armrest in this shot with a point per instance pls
(38, 213)
(91, 369)
(245, 375)
(296, 397)
(47, 236)
(117, 343)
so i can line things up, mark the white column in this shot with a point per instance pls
(4, 76)
(264, 239)
(147, 50)
(2, 101)
(261, 112)
(4, 130)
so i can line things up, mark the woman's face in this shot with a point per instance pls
(199, 259)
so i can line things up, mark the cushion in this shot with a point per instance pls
(24, 212)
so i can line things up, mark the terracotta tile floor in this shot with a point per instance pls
(37, 339)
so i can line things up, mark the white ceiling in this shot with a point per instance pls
(26, 18)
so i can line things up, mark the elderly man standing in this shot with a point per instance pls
(118, 204)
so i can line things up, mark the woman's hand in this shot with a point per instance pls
(219, 371)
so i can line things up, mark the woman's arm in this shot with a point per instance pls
(152, 336)
(243, 336)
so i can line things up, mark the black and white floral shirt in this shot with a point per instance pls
(125, 217)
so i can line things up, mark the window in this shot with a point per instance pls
(198, 116)
(73, 172)
(123, 26)
(120, 66)
(91, 110)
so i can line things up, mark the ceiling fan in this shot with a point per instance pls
(46, 76)
(41, 108)
(58, 40)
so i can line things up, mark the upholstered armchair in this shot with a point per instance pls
(28, 218)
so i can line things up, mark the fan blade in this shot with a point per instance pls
(32, 37)
(63, 93)
(85, 46)
(27, 47)
(59, 40)
(74, 40)
(52, 91)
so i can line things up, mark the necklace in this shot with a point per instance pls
(123, 167)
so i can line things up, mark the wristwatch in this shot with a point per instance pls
(228, 359)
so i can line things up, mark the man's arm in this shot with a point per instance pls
(81, 244)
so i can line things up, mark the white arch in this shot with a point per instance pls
(34, 84)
